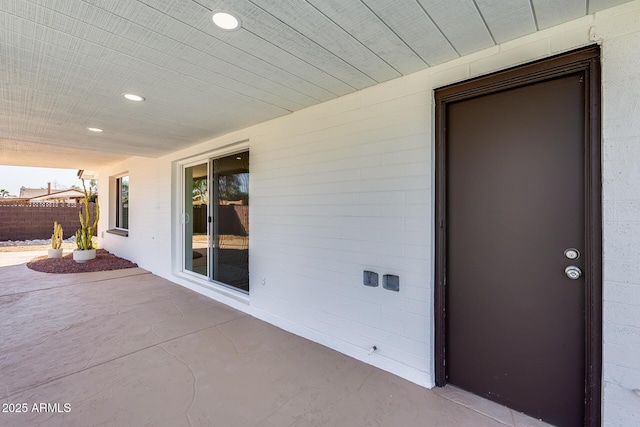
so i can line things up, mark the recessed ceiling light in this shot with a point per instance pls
(95, 129)
(238, 158)
(226, 21)
(133, 97)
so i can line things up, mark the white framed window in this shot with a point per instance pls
(122, 202)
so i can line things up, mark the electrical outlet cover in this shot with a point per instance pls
(370, 278)
(391, 282)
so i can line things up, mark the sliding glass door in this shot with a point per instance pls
(230, 231)
(216, 220)
(195, 218)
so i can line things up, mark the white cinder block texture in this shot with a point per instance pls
(346, 186)
(621, 229)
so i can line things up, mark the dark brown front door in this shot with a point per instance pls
(516, 200)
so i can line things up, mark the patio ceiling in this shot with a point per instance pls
(64, 64)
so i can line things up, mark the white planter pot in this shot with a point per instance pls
(84, 255)
(54, 253)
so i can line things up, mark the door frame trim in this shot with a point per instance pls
(587, 62)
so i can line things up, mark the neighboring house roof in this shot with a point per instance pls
(57, 195)
(29, 193)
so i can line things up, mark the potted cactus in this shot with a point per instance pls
(85, 250)
(55, 251)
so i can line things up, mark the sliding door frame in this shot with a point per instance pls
(206, 157)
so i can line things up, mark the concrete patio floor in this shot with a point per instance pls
(128, 348)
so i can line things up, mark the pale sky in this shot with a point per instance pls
(14, 177)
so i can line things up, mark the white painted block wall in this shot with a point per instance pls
(346, 186)
(336, 190)
(621, 203)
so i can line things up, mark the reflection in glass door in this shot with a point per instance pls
(196, 203)
(230, 228)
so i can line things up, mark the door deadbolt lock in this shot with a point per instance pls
(573, 272)
(572, 253)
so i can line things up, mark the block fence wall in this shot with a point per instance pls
(231, 220)
(30, 222)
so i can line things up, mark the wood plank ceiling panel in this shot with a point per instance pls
(56, 73)
(461, 23)
(52, 94)
(409, 21)
(365, 26)
(188, 43)
(247, 45)
(553, 12)
(97, 65)
(320, 41)
(65, 63)
(267, 37)
(245, 50)
(105, 29)
(507, 20)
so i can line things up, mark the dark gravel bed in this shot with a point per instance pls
(104, 261)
